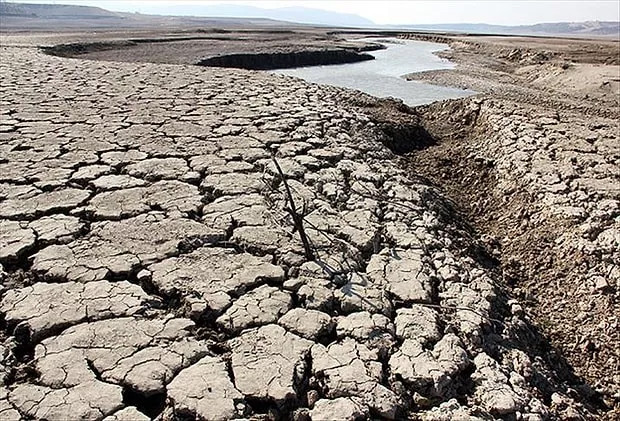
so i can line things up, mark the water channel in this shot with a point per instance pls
(383, 76)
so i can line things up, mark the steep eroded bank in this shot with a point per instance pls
(542, 188)
(578, 76)
(275, 60)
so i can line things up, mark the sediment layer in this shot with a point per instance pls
(267, 61)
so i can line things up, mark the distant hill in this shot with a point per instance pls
(58, 17)
(178, 14)
(289, 14)
(595, 28)
(577, 28)
(54, 11)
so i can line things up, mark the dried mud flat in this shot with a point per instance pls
(151, 268)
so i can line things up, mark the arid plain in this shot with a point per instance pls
(181, 241)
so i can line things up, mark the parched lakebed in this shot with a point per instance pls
(152, 269)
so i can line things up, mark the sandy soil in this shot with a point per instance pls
(578, 75)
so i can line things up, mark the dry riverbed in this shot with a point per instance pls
(151, 268)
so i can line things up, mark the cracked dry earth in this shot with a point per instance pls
(151, 270)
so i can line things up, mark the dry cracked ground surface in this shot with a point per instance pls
(151, 269)
(535, 163)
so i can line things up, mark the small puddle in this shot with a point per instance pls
(383, 76)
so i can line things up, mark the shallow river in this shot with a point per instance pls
(383, 76)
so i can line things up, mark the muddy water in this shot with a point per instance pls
(383, 77)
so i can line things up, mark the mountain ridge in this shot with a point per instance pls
(53, 11)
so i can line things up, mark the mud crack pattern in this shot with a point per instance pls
(151, 269)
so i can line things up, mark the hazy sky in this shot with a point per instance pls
(506, 12)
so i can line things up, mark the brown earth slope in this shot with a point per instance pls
(534, 163)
